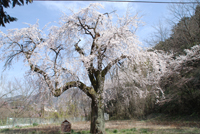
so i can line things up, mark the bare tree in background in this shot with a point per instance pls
(161, 33)
(16, 97)
(4, 91)
(181, 32)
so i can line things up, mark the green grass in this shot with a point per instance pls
(115, 131)
(35, 124)
(125, 131)
(154, 131)
(4, 130)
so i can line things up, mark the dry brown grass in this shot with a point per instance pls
(125, 124)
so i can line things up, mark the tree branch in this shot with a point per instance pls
(57, 51)
(78, 49)
(10, 58)
(86, 29)
(44, 74)
(89, 91)
(107, 68)
(91, 73)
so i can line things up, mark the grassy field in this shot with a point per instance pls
(113, 127)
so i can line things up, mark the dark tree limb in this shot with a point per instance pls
(92, 76)
(86, 28)
(107, 68)
(78, 49)
(89, 91)
(10, 58)
(56, 51)
(44, 74)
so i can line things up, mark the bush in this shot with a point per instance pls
(144, 130)
(5, 130)
(115, 131)
(133, 129)
(35, 124)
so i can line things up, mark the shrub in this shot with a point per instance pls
(133, 129)
(115, 131)
(144, 130)
(5, 130)
(35, 124)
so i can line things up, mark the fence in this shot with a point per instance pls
(30, 121)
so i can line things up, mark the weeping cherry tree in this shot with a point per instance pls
(79, 53)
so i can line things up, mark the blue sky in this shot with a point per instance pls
(51, 11)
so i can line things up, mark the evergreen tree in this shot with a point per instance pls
(6, 18)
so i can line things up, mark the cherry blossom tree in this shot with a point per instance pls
(181, 84)
(135, 85)
(79, 53)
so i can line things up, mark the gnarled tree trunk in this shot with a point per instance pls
(97, 107)
(97, 125)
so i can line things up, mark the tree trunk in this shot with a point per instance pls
(97, 125)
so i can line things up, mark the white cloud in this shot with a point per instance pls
(61, 6)
(64, 6)
(121, 7)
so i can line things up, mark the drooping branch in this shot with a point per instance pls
(18, 52)
(89, 91)
(107, 68)
(44, 74)
(10, 58)
(56, 51)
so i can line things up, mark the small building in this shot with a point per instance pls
(66, 126)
